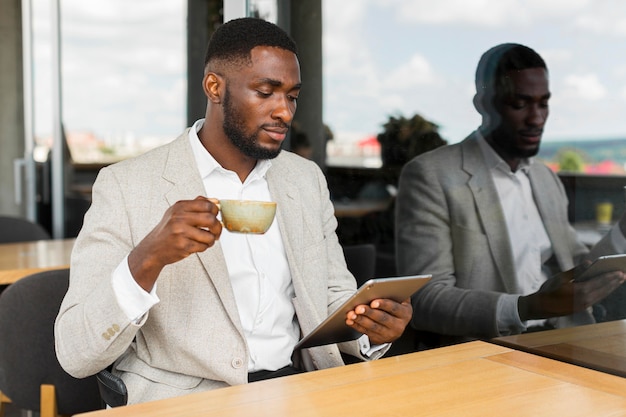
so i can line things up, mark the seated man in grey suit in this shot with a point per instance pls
(490, 222)
(177, 303)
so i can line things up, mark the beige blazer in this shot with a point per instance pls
(192, 340)
(450, 223)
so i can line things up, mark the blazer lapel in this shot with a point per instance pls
(549, 211)
(289, 213)
(489, 210)
(291, 217)
(182, 173)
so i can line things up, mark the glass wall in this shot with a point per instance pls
(407, 57)
(123, 75)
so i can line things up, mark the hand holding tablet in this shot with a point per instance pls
(602, 265)
(335, 330)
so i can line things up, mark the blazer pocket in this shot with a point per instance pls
(138, 367)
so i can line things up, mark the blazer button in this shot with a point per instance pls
(237, 363)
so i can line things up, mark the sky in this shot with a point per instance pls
(123, 67)
(123, 63)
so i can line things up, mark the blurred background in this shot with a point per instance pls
(86, 83)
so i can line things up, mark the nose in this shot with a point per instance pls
(284, 109)
(537, 115)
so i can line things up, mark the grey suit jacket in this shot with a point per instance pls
(449, 222)
(193, 339)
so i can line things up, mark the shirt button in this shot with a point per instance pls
(237, 363)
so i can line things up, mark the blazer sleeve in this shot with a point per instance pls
(91, 330)
(431, 237)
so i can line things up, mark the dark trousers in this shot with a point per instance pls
(261, 375)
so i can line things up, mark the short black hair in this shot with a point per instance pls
(495, 64)
(233, 41)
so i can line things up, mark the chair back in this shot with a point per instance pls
(361, 261)
(17, 229)
(28, 309)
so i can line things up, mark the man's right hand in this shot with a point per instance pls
(187, 227)
(561, 295)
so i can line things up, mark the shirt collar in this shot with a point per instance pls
(207, 164)
(495, 161)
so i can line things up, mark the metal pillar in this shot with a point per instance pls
(58, 189)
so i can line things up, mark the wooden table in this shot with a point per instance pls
(600, 346)
(471, 379)
(359, 208)
(18, 260)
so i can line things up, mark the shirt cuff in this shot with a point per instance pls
(371, 352)
(133, 300)
(507, 315)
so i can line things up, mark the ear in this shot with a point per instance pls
(212, 84)
(491, 118)
(478, 105)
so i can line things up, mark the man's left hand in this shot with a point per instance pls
(383, 320)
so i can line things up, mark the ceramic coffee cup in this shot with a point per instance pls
(247, 216)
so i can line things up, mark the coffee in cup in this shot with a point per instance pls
(247, 216)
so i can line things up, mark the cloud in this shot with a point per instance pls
(586, 87)
(123, 65)
(124, 61)
(603, 17)
(342, 36)
(417, 71)
(490, 13)
(556, 56)
(477, 12)
(436, 46)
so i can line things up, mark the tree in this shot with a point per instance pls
(402, 139)
(571, 160)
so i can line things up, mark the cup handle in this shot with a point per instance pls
(216, 202)
(219, 207)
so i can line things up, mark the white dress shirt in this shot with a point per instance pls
(257, 265)
(528, 238)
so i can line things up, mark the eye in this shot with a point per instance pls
(517, 105)
(292, 98)
(263, 94)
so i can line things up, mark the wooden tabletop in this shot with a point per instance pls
(471, 379)
(18, 260)
(600, 346)
(359, 208)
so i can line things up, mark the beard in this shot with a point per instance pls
(503, 141)
(235, 130)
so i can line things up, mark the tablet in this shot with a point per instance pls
(602, 265)
(334, 328)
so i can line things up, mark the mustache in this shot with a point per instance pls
(279, 125)
(531, 132)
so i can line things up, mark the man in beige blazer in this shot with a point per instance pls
(180, 305)
(491, 224)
